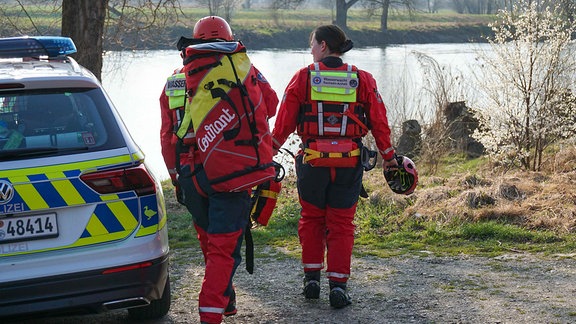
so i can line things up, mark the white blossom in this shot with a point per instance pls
(528, 83)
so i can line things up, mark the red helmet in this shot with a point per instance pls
(402, 180)
(212, 27)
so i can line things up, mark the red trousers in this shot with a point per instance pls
(328, 197)
(220, 219)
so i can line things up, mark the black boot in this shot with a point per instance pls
(230, 309)
(312, 285)
(339, 298)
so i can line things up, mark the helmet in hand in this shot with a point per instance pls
(403, 179)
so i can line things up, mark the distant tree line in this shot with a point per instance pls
(226, 8)
(88, 22)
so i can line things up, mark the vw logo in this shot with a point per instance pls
(6, 192)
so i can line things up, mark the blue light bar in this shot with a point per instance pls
(36, 46)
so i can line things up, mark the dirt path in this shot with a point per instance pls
(507, 289)
(514, 288)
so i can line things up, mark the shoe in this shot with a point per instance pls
(312, 285)
(311, 289)
(230, 309)
(339, 298)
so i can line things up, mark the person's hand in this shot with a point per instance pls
(179, 195)
(389, 169)
(178, 192)
(389, 164)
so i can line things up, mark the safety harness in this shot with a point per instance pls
(332, 119)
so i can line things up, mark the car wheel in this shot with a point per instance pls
(157, 308)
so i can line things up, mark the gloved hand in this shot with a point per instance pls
(390, 164)
(178, 192)
(179, 195)
(389, 168)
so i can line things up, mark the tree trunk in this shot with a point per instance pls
(342, 12)
(384, 17)
(83, 21)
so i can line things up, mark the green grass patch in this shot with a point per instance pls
(282, 230)
(481, 238)
(383, 230)
(451, 164)
(181, 232)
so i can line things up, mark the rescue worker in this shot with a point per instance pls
(220, 218)
(331, 105)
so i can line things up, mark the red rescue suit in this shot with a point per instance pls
(329, 195)
(220, 218)
(168, 138)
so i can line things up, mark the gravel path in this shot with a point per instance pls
(514, 288)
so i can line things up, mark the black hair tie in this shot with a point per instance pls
(348, 44)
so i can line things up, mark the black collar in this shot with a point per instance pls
(332, 61)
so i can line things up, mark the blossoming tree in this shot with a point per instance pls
(528, 85)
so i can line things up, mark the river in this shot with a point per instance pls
(134, 81)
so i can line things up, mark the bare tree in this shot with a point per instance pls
(276, 5)
(18, 17)
(213, 6)
(569, 7)
(95, 24)
(441, 86)
(83, 21)
(230, 7)
(384, 7)
(132, 24)
(479, 6)
(223, 8)
(342, 7)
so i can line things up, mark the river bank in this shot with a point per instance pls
(298, 37)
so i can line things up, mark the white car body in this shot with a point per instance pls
(82, 220)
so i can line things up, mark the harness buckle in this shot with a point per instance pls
(368, 158)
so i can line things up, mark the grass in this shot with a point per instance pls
(389, 225)
(46, 18)
(358, 19)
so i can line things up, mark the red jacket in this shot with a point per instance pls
(168, 139)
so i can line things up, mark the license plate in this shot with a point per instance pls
(28, 228)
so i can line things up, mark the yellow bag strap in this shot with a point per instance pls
(311, 154)
(264, 194)
(268, 194)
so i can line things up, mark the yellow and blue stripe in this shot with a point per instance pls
(115, 216)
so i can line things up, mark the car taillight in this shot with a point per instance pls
(11, 86)
(106, 182)
(128, 268)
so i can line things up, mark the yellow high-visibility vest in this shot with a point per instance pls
(333, 85)
(175, 90)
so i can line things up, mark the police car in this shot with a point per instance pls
(82, 220)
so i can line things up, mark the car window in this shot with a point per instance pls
(57, 120)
